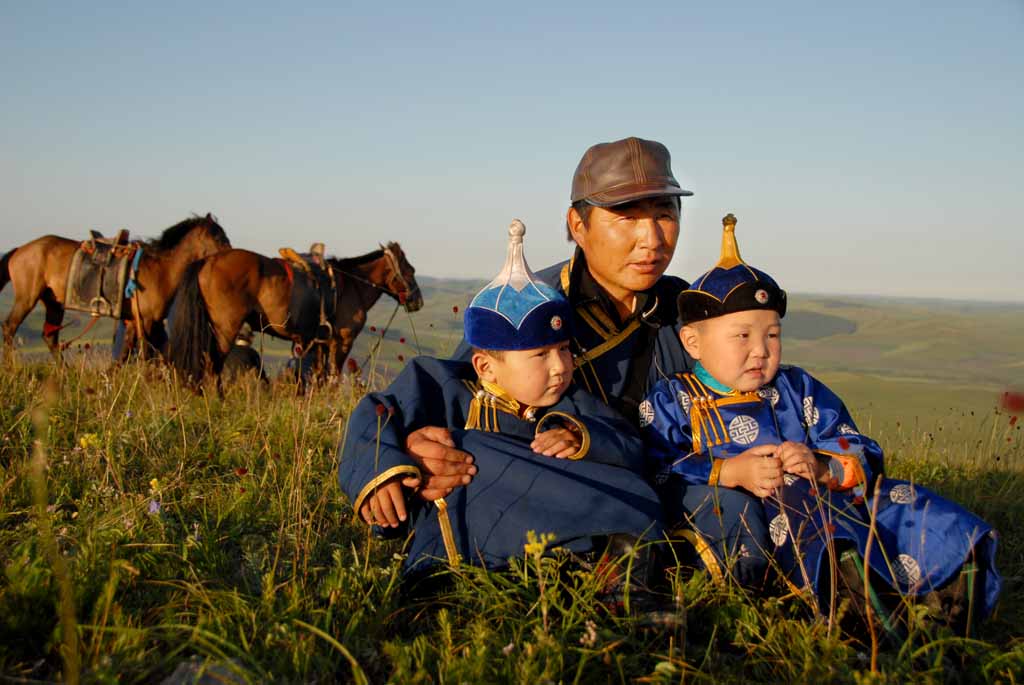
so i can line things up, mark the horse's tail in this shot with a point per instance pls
(5, 273)
(191, 341)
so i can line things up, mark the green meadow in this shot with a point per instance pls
(149, 533)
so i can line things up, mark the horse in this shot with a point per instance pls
(219, 293)
(39, 270)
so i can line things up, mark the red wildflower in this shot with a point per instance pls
(401, 357)
(401, 340)
(241, 490)
(87, 346)
(373, 329)
(241, 471)
(858, 500)
(844, 443)
(1013, 402)
(455, 309)
(1013, 420)
(831, 527)
(380, 410)
(352, 365)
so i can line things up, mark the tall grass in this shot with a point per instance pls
(163, 528)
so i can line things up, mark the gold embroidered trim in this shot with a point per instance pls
(609, 344)
(447, 534)
(705, 553)
(584, 433)
(378, 480)
(716, 470)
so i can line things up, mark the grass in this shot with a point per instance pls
(172, 528)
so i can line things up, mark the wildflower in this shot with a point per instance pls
(401, 357)
(154, 484)
(89, 441)
(128, 414)
(535, 545)
(241, 471)
(373, 329)
(1013, 402)
(830, 527)
(380, 410)
(241, 490)
(154, 507)
(455, 309)
(589, 638)
(90, 391)
(352, 365)
(401, 340)
(507, 649)
(172, 408)
(858, 500)
(391, 412)
(1013, 420)
(87, 346)
(844, 443)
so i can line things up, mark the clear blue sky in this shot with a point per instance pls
(870, 147)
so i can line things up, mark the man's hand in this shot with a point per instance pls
(443, 466)
(386, 506)
(757, 470)
(798, 459)
(557, 442)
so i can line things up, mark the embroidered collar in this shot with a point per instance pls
(710, 381)
(506, 403)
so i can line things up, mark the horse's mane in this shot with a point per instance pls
(176, 233)
(350, 262)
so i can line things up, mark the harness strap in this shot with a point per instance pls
(133, 283)
(67, 343)
(288, 270)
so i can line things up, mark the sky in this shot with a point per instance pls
(866, 148)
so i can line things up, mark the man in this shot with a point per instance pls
(624, 220)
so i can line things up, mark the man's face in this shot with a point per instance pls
(628, 247)
(741, 350)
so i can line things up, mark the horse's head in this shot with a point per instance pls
(198, 236)
(210, 236)
(400, 278)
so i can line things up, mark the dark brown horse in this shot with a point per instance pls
(39, 270)
(221, 292)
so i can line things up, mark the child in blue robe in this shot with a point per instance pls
(766, 466)
(550, 457)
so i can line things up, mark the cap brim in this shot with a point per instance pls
(630, 193)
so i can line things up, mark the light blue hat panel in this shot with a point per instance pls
(512, 304)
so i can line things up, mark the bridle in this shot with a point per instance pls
(401, 291)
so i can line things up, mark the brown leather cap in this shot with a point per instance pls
(629, 169)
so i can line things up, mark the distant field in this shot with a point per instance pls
(893, 360)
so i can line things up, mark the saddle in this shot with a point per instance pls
(99, 274)
(314, 294)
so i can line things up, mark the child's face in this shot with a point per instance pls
(741, 350)
(536, 377)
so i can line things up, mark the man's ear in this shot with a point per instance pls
(483, 364)
(689, 335)
(577, 229)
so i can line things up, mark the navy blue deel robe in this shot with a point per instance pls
(599, 491)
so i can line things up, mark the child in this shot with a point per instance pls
(764, 462)
(549, 457)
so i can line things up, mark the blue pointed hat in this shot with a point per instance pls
(517, 311)
(731, 286)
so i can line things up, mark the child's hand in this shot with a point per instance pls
(798, 459)
(758, 470)
(557, 442)
(386, 506)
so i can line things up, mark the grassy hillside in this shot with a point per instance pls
(145, 530)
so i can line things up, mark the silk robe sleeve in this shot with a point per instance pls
(668, 437)
(607, 437)
(832, 433)
(374, 447)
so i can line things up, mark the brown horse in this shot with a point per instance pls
(39, 270)
(221, 292)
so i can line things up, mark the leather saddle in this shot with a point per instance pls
(99, 273)
(314, 296)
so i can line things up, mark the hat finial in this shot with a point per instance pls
(516, 231)
(730, 256)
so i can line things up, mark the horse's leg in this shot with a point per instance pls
(128, 342)
(51, 329)
(22, 307)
